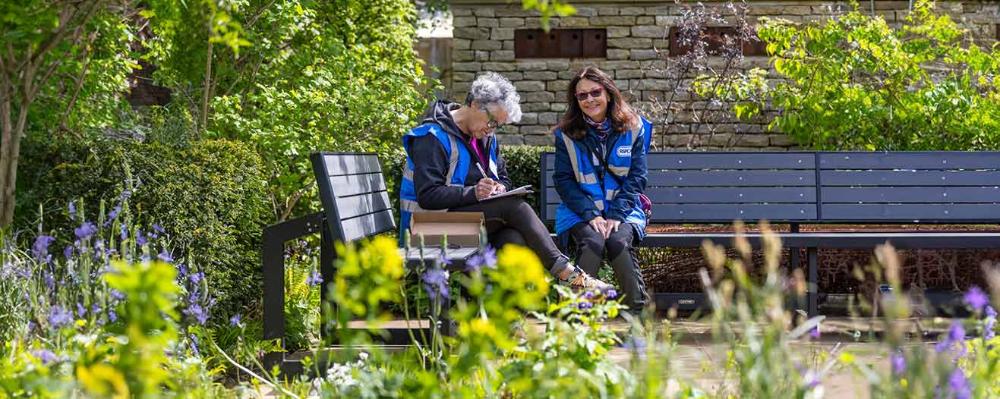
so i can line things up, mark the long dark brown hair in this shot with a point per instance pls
(621, 114)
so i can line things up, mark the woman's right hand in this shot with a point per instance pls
(484, 189)
(599, 225)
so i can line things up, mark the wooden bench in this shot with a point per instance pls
(815, 188)
(356, 206)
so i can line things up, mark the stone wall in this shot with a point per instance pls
(637, 60)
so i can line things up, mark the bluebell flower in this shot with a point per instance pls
(112, 315)
(117, 295)
(959, 385)
(956, 334)
(194, 344)
(610, 293)
(165, 256)
(158, 229)
(314, 279)
(487, 257)
(50, 280)
(990, 324)
(584, 305)
(45, 355)
(636, 343)
(196, 277)
(72, 210)
(68, 252)
(442, 260)
(436, 283)
(140, 239)
(59, 317)
(198, 313)
(814, 333)
(235, 321)
(124, 232)
(588, 295)
(85, 231)
(976, 299)
(112, 215)
(80, 310)
(898, 362)
(41, 248)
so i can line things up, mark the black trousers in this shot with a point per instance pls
(590, 248)
(511, 220)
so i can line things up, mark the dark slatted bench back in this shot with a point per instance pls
(699, 187)
(938, 186)
(352, 190)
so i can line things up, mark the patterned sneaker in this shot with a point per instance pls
(579, 280)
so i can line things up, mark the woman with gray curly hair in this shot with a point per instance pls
(453, 163)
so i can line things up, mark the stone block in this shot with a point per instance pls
(461, 44)
(471, 33)
(463, 55)
(650, 31)
(466, 66)
(538, 97)
(482, 56)
(531, 65)
(534, 107)
(463, 76)
(666, 20)
(645, 20)
(662, 10)
(753, 140)
(628, 73)
(557, 65)
(612, 20)
(607, 10)
(511, 22)
(529, 118)
(514, 11)
(502, 55)
(529, 85)
(536, 23)
(508, 45)
(543, 138)
(540, 75)
(557, 86)
(486, 45)
(631, 11)
(618, 54)
(630, 43)
(461, 11)
(512, 76)
(510, 139)
(462, 22)
(502, 34)
(585, 11)
(548, 118)
(559, 106)
(781, 140)
(721, 139)
(618, 31)
(648, 84)
(644, 55)
(567, 75)
(574, 22)
(484, 12)
(488, 22)
(677, 140)
(498, 66)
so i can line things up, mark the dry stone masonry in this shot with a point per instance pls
(637, 59)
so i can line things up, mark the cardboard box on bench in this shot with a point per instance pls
(462, 228)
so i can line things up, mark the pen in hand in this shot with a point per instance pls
(483, 171)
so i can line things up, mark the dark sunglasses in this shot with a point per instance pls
(593, 93)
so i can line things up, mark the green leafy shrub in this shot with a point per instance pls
(209, 196)
(854, 82)
(522, 167)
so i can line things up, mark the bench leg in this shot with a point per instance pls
(811, 281)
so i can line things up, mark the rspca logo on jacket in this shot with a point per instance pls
(624, 151)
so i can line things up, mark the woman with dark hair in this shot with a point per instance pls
(600, 174)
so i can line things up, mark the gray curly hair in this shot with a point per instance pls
(491, 88)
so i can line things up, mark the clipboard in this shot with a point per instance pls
(523, 190)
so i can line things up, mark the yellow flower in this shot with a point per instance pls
(520, 271)
(103, 380)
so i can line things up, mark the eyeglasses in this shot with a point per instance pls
(593, 93)
(492, 124)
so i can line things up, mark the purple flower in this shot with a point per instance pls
(976, 299)
(989, 325)
(41, 248)
(436, 283)
(955, 334)
(117, 295)
(235, 321)
(814, 333)
(898, 362)
(112, 316)
(72, 210)
(314, 279)
(50, 280)
(112, 215)
(811, 379)
(59, 317)
(959, 385)
(610, 293)
(80, 310)
(45, 355)
(165, 256)
(124, 232)
(85, 231)
(158, 229)
(196, 277)
(140, 239)
(485, 258)
(588, 295)
(584, 305)
(194, 344)
(68, 252)
(198, 313)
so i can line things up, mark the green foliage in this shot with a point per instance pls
(522, 166)
(548, 9)
(855, 83)
(319, 75)
(209, 196)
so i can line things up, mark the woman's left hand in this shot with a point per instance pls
(499, 189)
